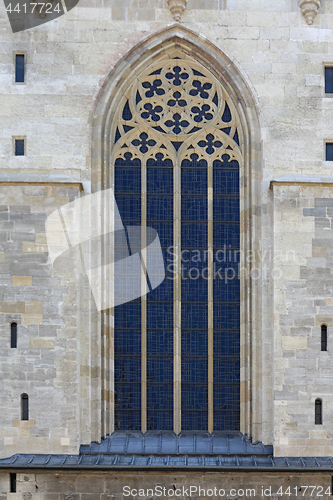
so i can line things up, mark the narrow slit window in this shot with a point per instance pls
(19, 147)
(19, 68)
(12, 479)
(323, 337)
(329, 80)
(318, 412)
(24, 407)
(13, 335)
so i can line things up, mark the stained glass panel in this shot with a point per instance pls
(164, 101)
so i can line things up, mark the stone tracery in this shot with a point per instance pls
(175, 105)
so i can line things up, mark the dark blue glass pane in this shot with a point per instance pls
(159, 315)
(128, 420)
(225, 234)
(194, 420)
(159, 369)
(128, 315)
(129, 207)
(329, 80)
(226, 290)
(226, 163)
(160, 161)
(195, 290)
(160, 342)
(163, 293)
(160, 396)
(225, 182)
(226, 397)
(127, 369)
(165, 233)
(194, 162)
(194, 370)
(194, 265)
(227, 420)
(19, 147)
(227, 255)
(161, 420)
(194, 316)
(159, 208)
(194, 396)
(225, 343)
(127, 342)
(127, 180)
(329, 151)
(169, 258)
(226, 316)
(129, 161)
(194, 181)
(194, 208)
(225, 209)
(19, 68)
(194, 342)
(128, 396)
(226, 265)
(194, 235)
(226, 370)
(159, 180)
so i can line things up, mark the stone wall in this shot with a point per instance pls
(44, 303)
(302, 303)
(69, 60)
(56, 485)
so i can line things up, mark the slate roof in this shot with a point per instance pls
(165, 450)
(168, 443)
(111, 462)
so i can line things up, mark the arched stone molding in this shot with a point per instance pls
(194, 46)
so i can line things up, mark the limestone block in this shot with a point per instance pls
(41, 343)
(22, 280)
(294, 343)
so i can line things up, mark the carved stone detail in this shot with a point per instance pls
(176, 108)
(176, 8)
(309, 9)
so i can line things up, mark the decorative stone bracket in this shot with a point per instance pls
(309, 9)
(176, 8)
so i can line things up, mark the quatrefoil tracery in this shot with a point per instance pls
(173, 102)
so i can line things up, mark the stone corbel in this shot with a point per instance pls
(176, 8)
(309, 9)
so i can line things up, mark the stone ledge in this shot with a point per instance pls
(302, 179)
(44, 179)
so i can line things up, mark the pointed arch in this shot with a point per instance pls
(194, 46)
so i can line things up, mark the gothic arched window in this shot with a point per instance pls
(176, 154)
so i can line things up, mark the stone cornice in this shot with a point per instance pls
(36, 179)
(302, 179)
